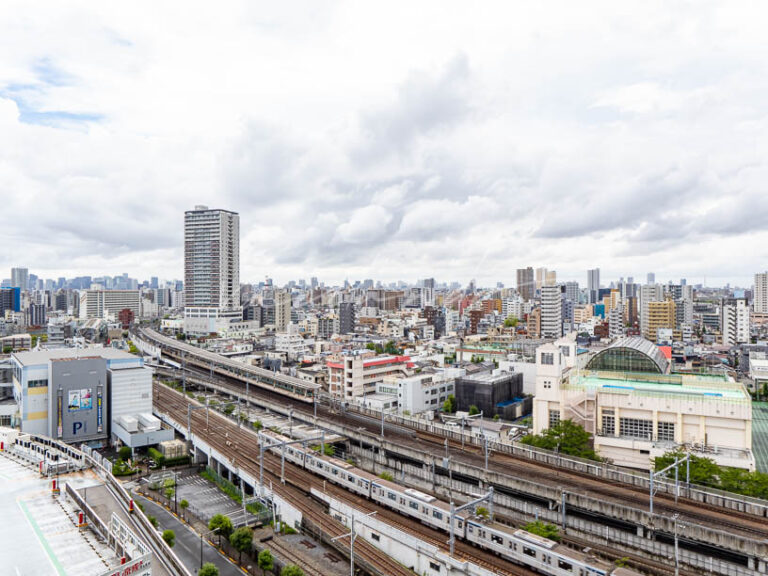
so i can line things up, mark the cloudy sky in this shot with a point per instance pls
(393, 140)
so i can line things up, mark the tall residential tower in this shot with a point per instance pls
(211, 270)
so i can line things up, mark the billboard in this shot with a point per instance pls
(80, 399)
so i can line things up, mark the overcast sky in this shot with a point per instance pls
(392, 140)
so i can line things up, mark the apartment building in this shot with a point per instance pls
(357, 375)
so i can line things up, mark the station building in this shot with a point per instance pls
(85, 396)
(627, 397)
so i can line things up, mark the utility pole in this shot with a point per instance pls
(352, 535)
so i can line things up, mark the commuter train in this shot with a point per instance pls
(518, 546)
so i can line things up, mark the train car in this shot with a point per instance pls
(518, 546)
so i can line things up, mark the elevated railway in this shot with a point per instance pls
(695, 506)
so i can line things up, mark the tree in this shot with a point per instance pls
(704, 471)
(450, 404)
(265, 561)
(7, 349)
(169, 492)
(124, 453)
(184, 504)
(170, 537)
(257, 425)
(291, 570)
(566, 437)
(510, 322)
(242, 540)
(386, 476)
(152, 520)
(222, 524)
(482, 512)
(474, 410)
(496, 417)
(208, 569)
(543, 529)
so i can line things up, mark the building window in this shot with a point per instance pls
(37, 383)
(375, 537)
(565, 350)
(636, 428)
(666, 431)
(554, 418)
(547, 358)
(609, 425)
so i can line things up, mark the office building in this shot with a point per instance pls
(108, 303)
(10, 300)
(526, 285)
(572, 292)
(734, 323)
(637, 410)
(347, 317)
(593, 284)
(20, 278)
(551, 311)
(211, 270)
(760, 304)
(650, 278)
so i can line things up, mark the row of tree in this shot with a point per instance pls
(705, 472)
(242, 541)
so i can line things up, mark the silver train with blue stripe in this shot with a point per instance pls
(518, 546)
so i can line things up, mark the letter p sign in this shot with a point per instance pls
(76, 426)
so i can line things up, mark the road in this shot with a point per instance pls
(187, 546)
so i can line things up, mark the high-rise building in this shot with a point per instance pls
(572, 291)
(20, 278)
(551, 311)
(734, 321)
(10, 300)
(648, 293)
(526, 285)
(282, 309)
(651, 278)
(660, 315)
(36, 315)
(346, 318)
(761, 293)
(211, 269)
(593, 284)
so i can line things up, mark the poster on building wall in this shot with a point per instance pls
(80, 399)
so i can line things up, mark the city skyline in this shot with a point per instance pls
(349, 155)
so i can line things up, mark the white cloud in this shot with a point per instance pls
(385, 141)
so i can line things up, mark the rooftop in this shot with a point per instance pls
(37, 357)
(694, 386)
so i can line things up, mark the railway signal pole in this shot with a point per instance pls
(473, 504)
(661, 473)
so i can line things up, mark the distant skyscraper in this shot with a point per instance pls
(761, 293)
(734, 321)
(572, 291)
(651, 278)
(211, 269)
(593, 284)
(20, 278)
(526, 285)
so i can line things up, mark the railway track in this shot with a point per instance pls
(176, 405)
(244, 442)
(689, 511)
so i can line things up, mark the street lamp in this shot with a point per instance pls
(201, 543)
